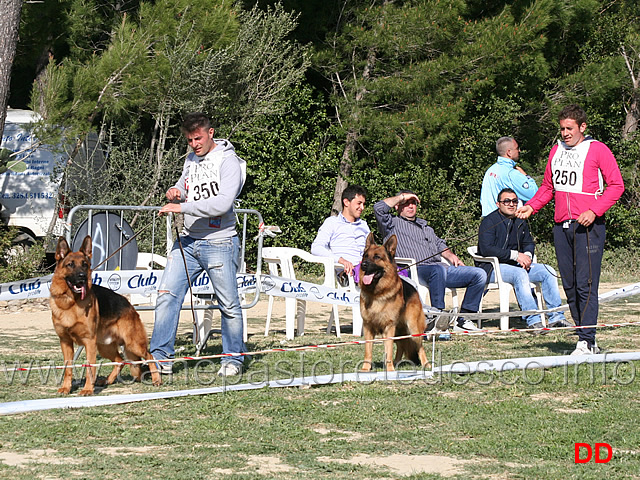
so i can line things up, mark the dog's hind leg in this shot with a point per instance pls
(422, 356)
(139, 351)
(133, 354)
(111, 352)
(153, 369)
(400, 351)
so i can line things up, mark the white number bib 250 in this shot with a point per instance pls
(567, 167)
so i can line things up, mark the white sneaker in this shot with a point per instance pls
(582, 348)
(229, 369)
(467, 326)
(165, 368)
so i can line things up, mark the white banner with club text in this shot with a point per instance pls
(145, 282)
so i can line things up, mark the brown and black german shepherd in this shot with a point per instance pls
(390, 307)
(94, 317)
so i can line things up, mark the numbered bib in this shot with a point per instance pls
(567, 168)
(204, 177)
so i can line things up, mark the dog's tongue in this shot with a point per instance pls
(367, 279)
(81, 290)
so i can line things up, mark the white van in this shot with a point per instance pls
(33, 200)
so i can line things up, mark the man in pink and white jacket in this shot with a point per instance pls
(583, 177)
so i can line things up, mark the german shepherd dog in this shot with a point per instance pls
(390, 307)
(95, 317)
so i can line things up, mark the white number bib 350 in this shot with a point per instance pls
(204, 177)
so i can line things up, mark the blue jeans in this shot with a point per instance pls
(438, 276)
(220, 258)
(521, 281)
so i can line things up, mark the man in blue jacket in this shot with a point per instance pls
(507, 237)
(505, 173)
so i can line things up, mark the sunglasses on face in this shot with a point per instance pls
(509, 201)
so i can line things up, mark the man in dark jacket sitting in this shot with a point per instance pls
(507, 237)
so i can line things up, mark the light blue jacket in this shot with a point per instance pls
(503, 174)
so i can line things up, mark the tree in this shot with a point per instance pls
(9, 27)
(604, 80)
(173, 57)
(407, 77)
(290, 165)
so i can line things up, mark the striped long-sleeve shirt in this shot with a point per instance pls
(416, 239)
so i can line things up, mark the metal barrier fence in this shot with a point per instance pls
(110, 231)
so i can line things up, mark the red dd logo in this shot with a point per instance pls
(589, 452)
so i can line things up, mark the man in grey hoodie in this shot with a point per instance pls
(212, 177)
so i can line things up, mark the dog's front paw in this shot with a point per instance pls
(85, 392)
(366, 366)
(64, 390)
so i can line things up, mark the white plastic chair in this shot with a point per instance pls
(352, 287)
(280, 263)
(204, 319)
(146, 261)
(423, 291)
(504, 288)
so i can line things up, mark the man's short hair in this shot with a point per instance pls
(351, 191)
(503, 144)
(194, 121)
(573, 112)
(505, 190)
(406, 191)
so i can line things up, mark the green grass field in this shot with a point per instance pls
(513, 425)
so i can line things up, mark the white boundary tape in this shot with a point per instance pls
(460, 368)
(301, 348)
(456, 368)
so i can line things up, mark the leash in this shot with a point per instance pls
(186, 269)
(122, 246)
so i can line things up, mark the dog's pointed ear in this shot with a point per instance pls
(62, 248)
(87, 247)
(370, 240)
(391, 244)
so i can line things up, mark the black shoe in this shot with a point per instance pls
(560, 323)
(538, 329)
(443, 323)
(434, 322)
(343, 279)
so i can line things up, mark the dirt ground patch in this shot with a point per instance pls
(15, 459)
(409, 464)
